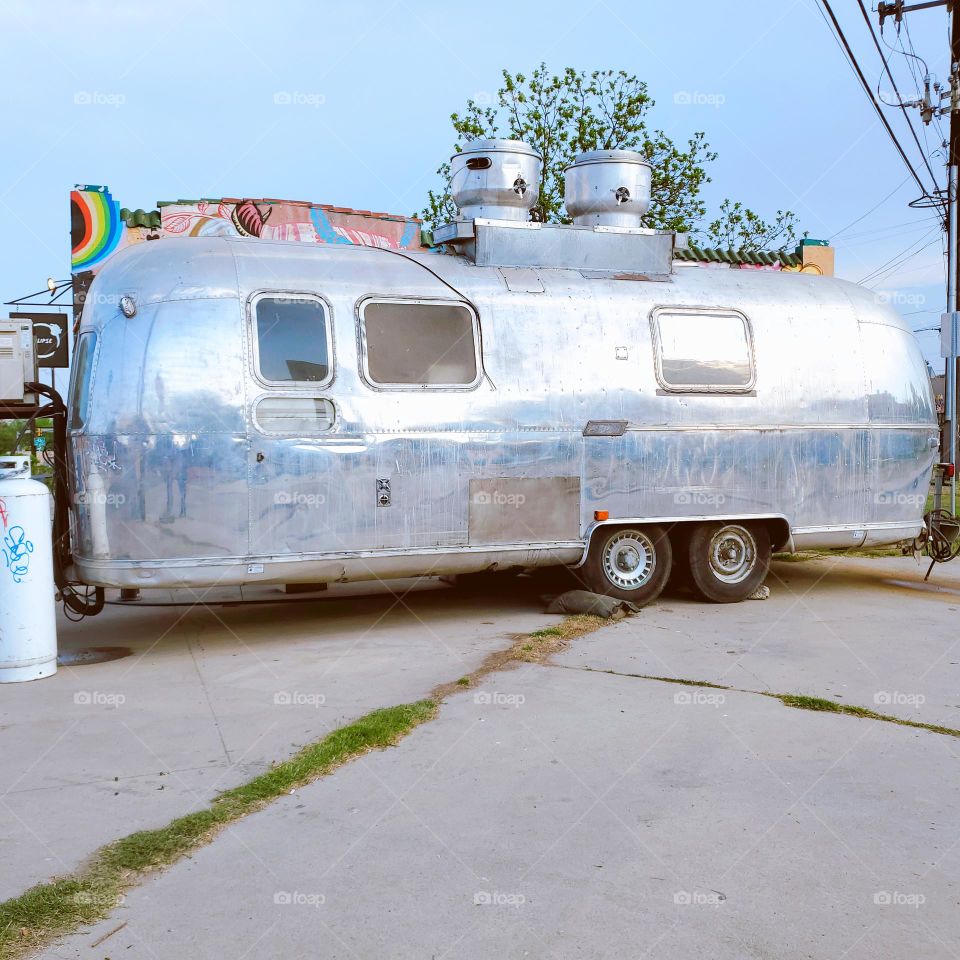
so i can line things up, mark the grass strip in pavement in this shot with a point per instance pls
(49, 910)
(796, 700)
(819, 704)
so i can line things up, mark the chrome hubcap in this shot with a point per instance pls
(733, 554)
(629, 559)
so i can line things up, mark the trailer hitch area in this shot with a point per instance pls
(939, 539)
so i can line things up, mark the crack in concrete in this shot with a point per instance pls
(795, 700)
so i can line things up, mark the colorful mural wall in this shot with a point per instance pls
(99, 227)
(95, 227)
(289, 220)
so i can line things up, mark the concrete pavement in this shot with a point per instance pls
(862, 631)
(209, 697)
(558, 811)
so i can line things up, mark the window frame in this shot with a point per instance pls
(292, 385)
(362, 346)
(746, 389)
(74, 401)
(298, 395)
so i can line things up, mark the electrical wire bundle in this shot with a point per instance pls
(79, 600)
(940, 538)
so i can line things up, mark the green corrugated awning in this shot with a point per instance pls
(141, 218)
(766, 258)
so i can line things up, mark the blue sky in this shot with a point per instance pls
(179, 99)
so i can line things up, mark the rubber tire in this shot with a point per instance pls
(706, 585)
(663, 561)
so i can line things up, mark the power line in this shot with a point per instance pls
(896, 91)
(883, 274)
(913, 53)
(904, 224)
(920, 84)
(866, 88)
(869, 237)
(900, 258)
(853, 223)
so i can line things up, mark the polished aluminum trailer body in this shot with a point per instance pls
(179, 478)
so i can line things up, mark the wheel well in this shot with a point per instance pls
(777, 527)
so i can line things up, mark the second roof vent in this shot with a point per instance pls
(608, 188)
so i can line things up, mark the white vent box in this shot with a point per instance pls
(17, 362)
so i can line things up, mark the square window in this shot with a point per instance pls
(703, 351)
(416, 344)
(292, 342)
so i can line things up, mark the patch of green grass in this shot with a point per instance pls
(677, 680)
(50, 910)
(547, 632)
(464, 682)
(821, 705)
(890, 551)
(802, 556)
(796, 700)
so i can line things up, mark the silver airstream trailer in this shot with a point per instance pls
(245, 411)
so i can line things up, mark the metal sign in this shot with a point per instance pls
(50, 336)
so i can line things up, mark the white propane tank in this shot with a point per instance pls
(28, 623)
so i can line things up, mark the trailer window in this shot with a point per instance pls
(292, 341)
(419, 344)
(296, 416)
(82, 374)
(703, 351)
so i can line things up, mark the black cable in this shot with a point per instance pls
(866, 88)
(913, 53)
(867, 214)
(941, 545)
(85, 604)
(896, 91)
(926, 70)
(902, 257)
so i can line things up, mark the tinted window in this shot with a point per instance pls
(420, 344)
(292, 340)
(707, 351)
(298, 416)
(82, 373)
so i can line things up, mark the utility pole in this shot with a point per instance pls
(949, 339)
(950, 321)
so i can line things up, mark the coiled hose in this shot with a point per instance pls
(78, 598)
(939, 540)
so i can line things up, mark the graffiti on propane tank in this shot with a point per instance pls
(15, 545)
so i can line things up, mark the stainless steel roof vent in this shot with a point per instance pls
(495, 179)
(608, 188)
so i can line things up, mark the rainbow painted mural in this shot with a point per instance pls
(95, 226)
(99, 226)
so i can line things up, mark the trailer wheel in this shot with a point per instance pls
(630, 563)
(728, 561)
